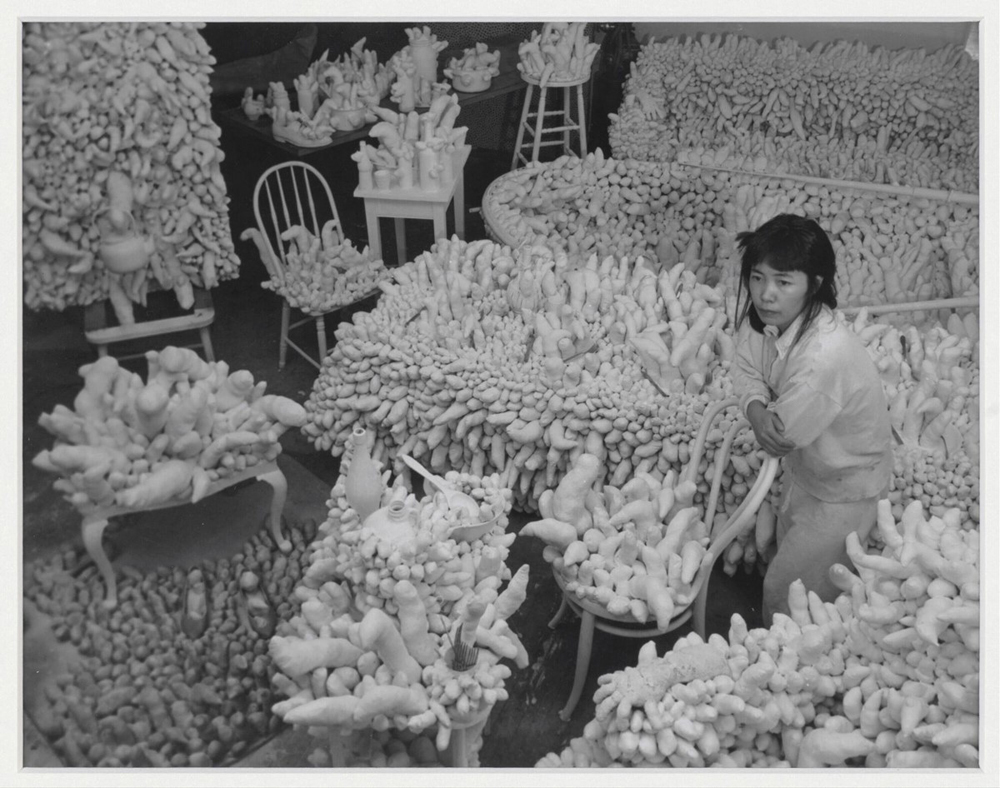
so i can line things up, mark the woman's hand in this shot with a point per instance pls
(767, 428)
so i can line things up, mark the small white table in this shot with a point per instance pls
(95, 519)
(415, 203)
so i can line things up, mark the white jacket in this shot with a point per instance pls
(829, 397)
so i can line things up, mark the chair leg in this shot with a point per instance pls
(92, 532)
(279, 484)
(283, 344)
(700, 607)
(206, 343)
(583, 648)
(321, 338)
(102, 351)
(563, 607)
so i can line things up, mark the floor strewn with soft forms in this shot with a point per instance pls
(522, 729)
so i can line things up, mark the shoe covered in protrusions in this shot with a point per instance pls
(256, 611)
(194, 620)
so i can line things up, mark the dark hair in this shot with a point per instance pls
(788, 243)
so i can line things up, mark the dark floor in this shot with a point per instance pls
(245, 334)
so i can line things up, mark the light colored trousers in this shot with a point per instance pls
(810, 534)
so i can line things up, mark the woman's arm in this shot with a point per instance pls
(804, 409)
(768, 429)
(754, 394)
(748, 377)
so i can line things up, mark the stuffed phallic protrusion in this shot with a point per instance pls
(319, 273)
(635, 549)
(147, 168)
(394, 612)
(887, 675)
(164, 439)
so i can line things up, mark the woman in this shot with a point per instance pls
(814, 398)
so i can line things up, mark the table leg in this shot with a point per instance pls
(582, 121)
(463, 738)
(279, 484)
(374, 239)
(440, 222)
(338, 750)
(461, 749)
(321, 338)
(520, 126)
(460, 207)
(93, 532)
(400, 225)
(583, 648)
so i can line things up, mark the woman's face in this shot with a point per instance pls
(778, 296)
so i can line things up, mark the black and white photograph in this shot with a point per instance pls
(498, 395)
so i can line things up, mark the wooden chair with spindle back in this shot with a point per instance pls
(293, 194)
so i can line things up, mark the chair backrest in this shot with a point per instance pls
(741, 519)
(289, 194)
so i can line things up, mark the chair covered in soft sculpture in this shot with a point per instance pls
(293, 194)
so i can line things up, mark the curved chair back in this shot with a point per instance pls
(289, 194)
(741, 519)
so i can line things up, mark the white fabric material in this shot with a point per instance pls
(811, 537)
(828, 395)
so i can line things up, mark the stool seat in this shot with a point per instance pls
(556, 83)
(536, 122)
